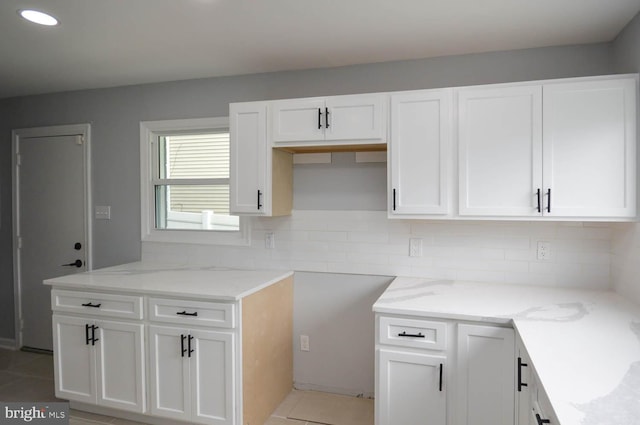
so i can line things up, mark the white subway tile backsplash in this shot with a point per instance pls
(367, 242)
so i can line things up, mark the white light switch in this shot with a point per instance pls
(103, 212)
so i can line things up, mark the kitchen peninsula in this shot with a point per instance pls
(198, 344)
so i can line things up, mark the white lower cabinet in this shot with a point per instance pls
(99, 362)
(485, 375)
(173, 360)
(441, 372)
(192, 374)
(411, 388)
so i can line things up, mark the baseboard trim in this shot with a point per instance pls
(8, 344)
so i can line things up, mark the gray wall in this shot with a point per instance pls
(115, 115)
(340, 329)
(625, 268)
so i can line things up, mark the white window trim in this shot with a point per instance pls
(149, 130)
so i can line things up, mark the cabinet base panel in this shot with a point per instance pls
(122, 414)
(267, 350)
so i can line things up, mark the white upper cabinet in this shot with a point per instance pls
(297, 120)
(261, 179)
(419, 153)
(339, 120)
(590, 148)
(248, 155)
(558, 149)
(500, 150)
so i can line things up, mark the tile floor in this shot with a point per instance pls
(29, 377)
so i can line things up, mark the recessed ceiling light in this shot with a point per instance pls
(38, 17)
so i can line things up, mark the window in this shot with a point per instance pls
(185, 183)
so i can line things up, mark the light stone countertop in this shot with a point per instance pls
(584, 344)
(205, 283)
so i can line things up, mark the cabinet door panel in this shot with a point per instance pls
(485, 375)
(120, 365)
(249, 156)
(297, 120)
(169, 373)
(419, 152)
(589, 148)
(212, 378)
(355, 118)
(409, 389)
(74, 360)
(500, 150)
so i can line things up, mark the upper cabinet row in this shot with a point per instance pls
(560, 148)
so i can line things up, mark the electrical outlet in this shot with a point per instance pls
(270, 240)
(415, 247)
(544, 251)
(304, 342)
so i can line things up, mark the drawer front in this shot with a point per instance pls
(97, 304)
(412, 333)
(192, 312)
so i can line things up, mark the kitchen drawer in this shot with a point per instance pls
(412, 333)
(192, 312)
(97, 304)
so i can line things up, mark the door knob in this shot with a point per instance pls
(77, 263)
(77, 246)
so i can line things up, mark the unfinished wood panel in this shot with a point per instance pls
(371, 147)
(267, 350)
(282, 183)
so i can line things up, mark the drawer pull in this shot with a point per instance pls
(404, 334)
(91, 305)
(542, 421)
(184, 313)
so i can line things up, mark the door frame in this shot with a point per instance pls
(83, 130)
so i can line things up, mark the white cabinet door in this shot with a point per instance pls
(485, 376)
(359, 117)
(297, 120)
(523, 382)
(74, 359)
(419, 152)
(212, 377)
(120, 365)
(169, 372)
(192, 375)
(249, 155)
(500, 151)
(410, 389)
(589, 148)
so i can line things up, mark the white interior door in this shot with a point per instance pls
(50, 226)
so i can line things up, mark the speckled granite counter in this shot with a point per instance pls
(206, 283)
(584, 345)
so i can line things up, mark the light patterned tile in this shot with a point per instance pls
(41, 367)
